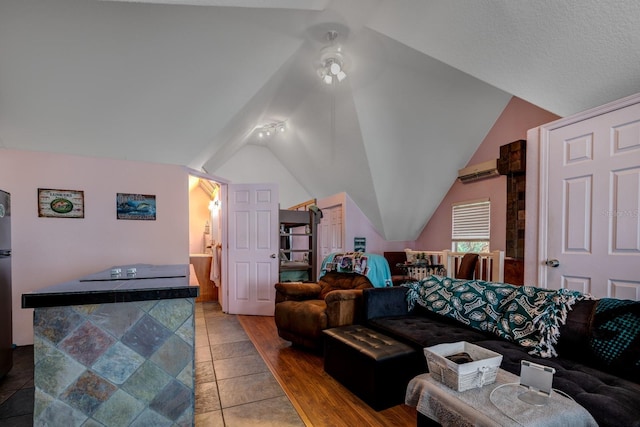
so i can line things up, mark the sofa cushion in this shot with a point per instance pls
(422, 331)
(575, 335)
(306, 318)
(611, 400)
(333, 281)
(532, 317)
(615, 337)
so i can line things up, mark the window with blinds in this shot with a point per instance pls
(471, 226)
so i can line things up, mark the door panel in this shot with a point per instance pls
(337, 229)
(330, 232)
(253, 245)
(626, 201)
(593, 221)
(577, 215)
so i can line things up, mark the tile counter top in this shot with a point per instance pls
(116, 348)
(127, 283)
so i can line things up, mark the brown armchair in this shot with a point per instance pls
(304, 310)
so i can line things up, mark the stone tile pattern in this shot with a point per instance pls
(513, 163)
(114, 365)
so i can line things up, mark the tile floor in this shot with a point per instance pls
(17, 390)
(234, 386)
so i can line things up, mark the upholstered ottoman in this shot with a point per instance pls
(373, 366)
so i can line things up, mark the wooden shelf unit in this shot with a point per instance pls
(290, 223)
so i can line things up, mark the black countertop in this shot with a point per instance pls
(127, 283)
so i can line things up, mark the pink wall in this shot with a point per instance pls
(47, 251)
(518, 117)
(356, 224)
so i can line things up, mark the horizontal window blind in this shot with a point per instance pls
(471, 221)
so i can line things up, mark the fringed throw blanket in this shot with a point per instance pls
(526, 315)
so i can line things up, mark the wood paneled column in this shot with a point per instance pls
(512, 163)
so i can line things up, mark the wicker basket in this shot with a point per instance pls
(460, 377)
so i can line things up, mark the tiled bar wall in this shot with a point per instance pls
(115, 364)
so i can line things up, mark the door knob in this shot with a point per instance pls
(272, 255)
(552, 263)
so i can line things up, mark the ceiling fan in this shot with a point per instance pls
(332, 60)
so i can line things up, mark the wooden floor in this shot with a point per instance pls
(319, 399)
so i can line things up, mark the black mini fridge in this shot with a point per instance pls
(6, 324)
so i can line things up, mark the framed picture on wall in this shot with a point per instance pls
(136, 206)
(60, 203)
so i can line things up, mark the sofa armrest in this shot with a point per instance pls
(385, 302)
(344, 307)
(296, 291)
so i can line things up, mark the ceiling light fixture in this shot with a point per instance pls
(270, 129)
(331, 67)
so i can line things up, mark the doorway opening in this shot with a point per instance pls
(205, 236)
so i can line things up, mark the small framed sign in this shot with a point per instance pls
(359, 244)
(136, 206)
(60, 203)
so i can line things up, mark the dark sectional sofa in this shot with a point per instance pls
(610, 392)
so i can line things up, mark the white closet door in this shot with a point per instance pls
(330, 232)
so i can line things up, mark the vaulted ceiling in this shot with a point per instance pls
(188, 82)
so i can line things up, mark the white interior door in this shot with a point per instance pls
(253, 246)
(330, 232)
(592, 210)
(324, 243)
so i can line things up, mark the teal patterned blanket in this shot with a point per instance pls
(374, 266)
(529, 316)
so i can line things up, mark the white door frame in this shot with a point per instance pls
(222, 298)
(223, 292)
(537, 188)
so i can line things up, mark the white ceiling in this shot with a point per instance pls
(187, 82)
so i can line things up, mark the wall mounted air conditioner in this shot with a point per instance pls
(479, 171)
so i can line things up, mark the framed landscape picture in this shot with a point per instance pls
(60, 203)
(136, 206)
